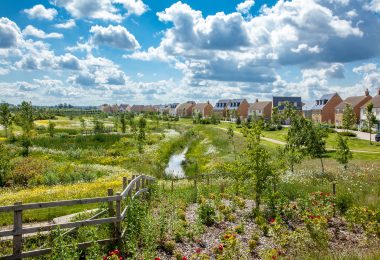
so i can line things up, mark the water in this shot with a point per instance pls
(174, 167)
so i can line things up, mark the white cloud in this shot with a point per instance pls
(33, 31)
(114, 36)
(40, 12)
(10, 34)
(245, 6)
(101, 9)
(373, 6)
(66, 25)
(133, 6)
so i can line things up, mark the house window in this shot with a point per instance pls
(295, 104)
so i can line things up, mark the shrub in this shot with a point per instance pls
(344, 202)
(207, 214)
(169, 246)
(27, 169)
(349, 134)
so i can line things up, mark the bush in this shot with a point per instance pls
(207, 214)
(169, 246)
(344, 202)
(349, 134)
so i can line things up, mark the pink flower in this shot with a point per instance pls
(198, 250)
(116, 252)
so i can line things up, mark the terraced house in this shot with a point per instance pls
(203, 109)
(323, 110)
(185, 109)
(376, 110)
(220, 107)
(356, 102)
(261, 109)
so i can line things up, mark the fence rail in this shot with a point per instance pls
(131, 188)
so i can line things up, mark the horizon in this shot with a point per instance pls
(88, 53)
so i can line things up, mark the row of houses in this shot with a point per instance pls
(327, 109)
(330, 108)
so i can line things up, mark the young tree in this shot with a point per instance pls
(349, 117)
(276, 117)
(230, 133)
(5, 165)
(343, 153)
(295, 141)
(82, 124)
(141, 134)
(371, 119)
(116, 123)
(123, 123)
(315, 144)
(5, 117)
(98, 126)
(25, 117)
(51, 128)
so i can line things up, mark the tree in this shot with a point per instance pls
(5, 165)
(51, 128)
(5, 117)
(230, 133)
(343, 153)
(25, 117)
(98, 126)
(295, 141)
(276, 117)
(315, 144)
(141, 134)
(371, 119)
(349, 117)
(82, 124)
(123, 123)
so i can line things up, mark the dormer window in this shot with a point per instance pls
(325, 101)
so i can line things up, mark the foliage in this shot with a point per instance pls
(25, 118)
(349, 117)
(207, 214)
(63, 248)
(123, 123)
(141, 134)
(51, 128)
(343, 153)
(5, 117)
(5, 165)
(371, 119)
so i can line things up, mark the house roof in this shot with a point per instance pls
(260, 105)
(185, 106)
(324, 97)
(277, 100)
(375, 101)
(224, 101)
(201, 106)
(353, 101)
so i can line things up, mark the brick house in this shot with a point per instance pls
(281, 101)
(238, 107)
(220, 107)
(185, 109)
(376, 110)
(356, 102)
(261, 109)
(323, 110)
(204, 109)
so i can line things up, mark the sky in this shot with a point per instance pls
(90, 52)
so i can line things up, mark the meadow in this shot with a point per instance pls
(299, 217)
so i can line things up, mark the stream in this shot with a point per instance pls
(174, 168)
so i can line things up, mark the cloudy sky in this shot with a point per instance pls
(88, 52)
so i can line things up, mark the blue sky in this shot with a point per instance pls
(89, 52)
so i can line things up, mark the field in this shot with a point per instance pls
(299, 216)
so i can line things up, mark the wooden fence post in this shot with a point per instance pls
(17, 229)
(137, 185)
(130, 191)
(143, 182)
(111, 213)
(125, 183)
(117, 234)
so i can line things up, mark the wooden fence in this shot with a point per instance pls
(131, 189)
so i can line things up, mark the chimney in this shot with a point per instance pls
(366, 92)
(257, 100)
(208, 101)
(378, 91)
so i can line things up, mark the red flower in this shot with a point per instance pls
(274, 256)
(120, 258)
(198, 250)
(104, 258)
(272, 220)
(220, 247)
(184, 258)
(157, 258)
(116, 252)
